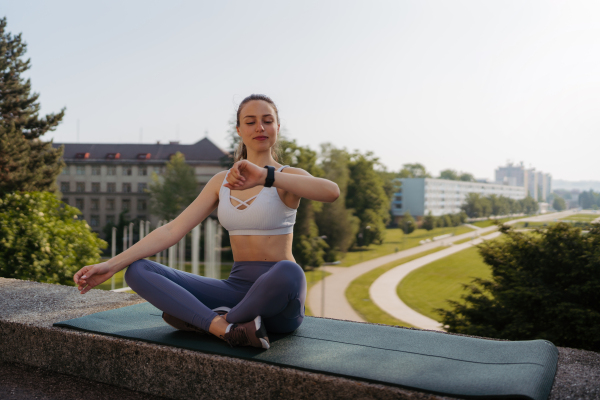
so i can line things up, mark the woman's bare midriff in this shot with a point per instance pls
(262, 248)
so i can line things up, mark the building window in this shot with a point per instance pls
(127, 188)
(158, 169)
(126, 204)
(142, 187)
(111, 170)
(79, 204)
(94, 221)
(95, 187)
(110, 204)
(127, 170)
(111, 187)
(96, 170)
(95, 206)
(142, 171)
(142, 217)
(398, 198)
(80, 169)
(80, 187)
(65, 187)
(65, 200)
(141, 205)
(66, 170)
(110, 220)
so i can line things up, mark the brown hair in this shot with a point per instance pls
(241, 152)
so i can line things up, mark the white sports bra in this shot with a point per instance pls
(266, 215)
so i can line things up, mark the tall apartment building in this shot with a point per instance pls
(538, 185)
(420, 196)
(102, 180)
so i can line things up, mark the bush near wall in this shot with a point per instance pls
(42, 239)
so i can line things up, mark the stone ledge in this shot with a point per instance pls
(28, 310)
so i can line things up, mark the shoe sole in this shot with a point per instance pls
(261, 332)
(223, 308)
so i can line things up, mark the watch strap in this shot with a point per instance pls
(270, 176)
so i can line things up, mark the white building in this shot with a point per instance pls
(420, 196)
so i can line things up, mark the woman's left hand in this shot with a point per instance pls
(245, 175)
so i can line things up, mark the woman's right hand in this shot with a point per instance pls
(92, 275)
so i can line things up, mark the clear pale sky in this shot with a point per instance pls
(465, 85)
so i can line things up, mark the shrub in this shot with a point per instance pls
(42, 239)
(544, 285)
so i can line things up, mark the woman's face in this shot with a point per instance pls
(258, 125)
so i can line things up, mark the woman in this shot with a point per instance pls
(257, 201)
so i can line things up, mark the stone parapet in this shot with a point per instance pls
(28, 310)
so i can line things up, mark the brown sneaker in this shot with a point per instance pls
(251, 333)
(186, 326)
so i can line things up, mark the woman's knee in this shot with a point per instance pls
(135, 270)
(288, 274)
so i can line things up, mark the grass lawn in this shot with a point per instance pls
(490, 222)
(431, 285)
(581, 217)
(396, 240)
(358, 293)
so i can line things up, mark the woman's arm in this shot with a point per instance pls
(171, 233)
(297, 181)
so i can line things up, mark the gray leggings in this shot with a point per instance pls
(274, 290)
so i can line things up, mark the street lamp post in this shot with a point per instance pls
(323, 285)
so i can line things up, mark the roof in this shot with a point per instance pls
(203, 150)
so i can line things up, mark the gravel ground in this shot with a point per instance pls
(24, 382)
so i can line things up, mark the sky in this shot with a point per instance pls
(466, 85)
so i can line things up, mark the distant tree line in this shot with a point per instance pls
(477, 206)
(589, 200)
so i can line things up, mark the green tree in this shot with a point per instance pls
(543, 286)
(176, 190)
(415, 170)
(466, 177)
(449, 174)
(308, 247)
(559, 204)
(19, 119)
(334, 220)
(367, 197)
(429, 222)
(529, 205)
(408, 224)
(43, 240)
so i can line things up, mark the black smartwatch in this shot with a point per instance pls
(270, 176)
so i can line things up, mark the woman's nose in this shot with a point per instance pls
(260, 127)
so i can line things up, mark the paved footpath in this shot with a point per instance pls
(337, 306)
(383, 290)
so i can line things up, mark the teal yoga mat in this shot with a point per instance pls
(428, 361)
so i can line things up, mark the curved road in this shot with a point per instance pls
(336, 305)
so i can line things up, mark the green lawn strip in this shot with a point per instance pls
(581, 217)
(432, 285)
(395, 240)
(357, 292)
(312, 277)
(490, 222)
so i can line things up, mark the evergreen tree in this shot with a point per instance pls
(19, 109)
(177, 189)
(429, 222)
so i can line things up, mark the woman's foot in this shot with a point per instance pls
(186, 326)
(252, 333)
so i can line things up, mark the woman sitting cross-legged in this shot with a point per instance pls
(256, 202)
